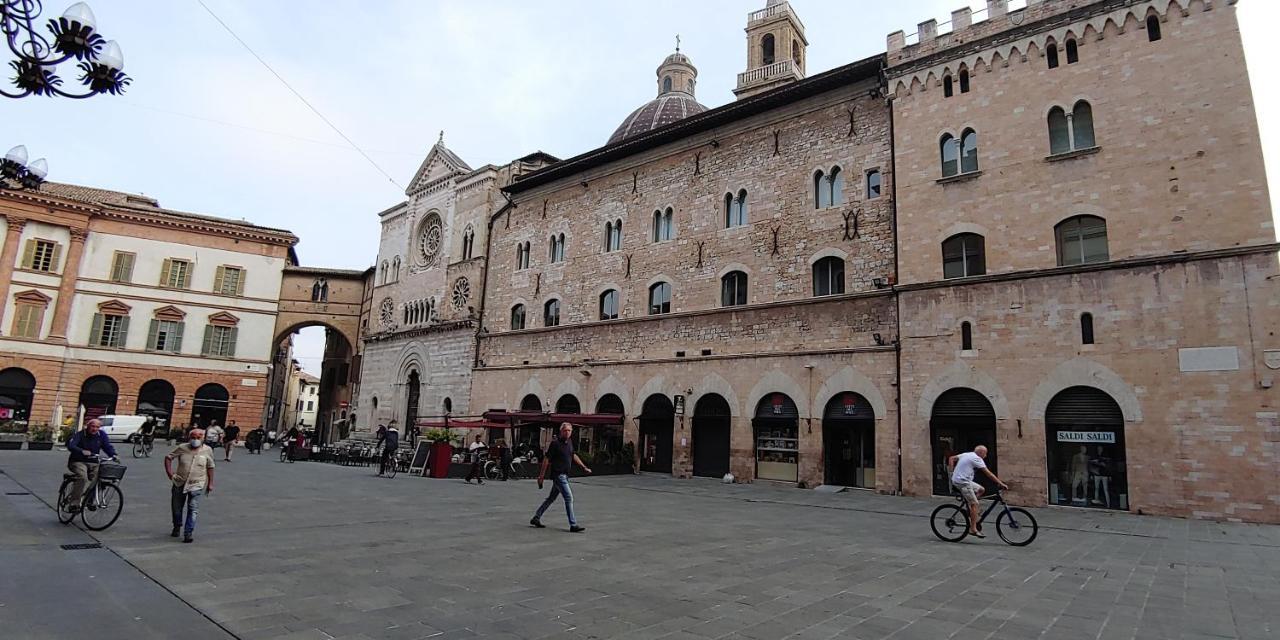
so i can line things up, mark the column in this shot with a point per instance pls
(8, 256)
(67, 289)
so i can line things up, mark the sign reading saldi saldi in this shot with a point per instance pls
(1100, 437)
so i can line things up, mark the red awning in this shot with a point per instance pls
(514, 418)
(460, 424)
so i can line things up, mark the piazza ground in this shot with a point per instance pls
(310, 550)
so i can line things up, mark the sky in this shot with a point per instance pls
(206, 128)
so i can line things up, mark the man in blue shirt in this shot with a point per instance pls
(84, 447)
(560, 458)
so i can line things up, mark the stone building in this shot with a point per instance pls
(114, 304)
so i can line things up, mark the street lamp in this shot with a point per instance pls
(75, 35)
(14, 168)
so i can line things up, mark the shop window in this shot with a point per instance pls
(777, 431)
(964, 255)
(828, 276)
(1086, 450)
(1081, 240)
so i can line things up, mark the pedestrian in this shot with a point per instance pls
(192, 479)
(214, 434)
(414, 433)
(382, 435)
(560, 458)
(478, 450)
(229, 440)
(504, 458)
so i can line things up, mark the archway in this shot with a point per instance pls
(657, 426)
(777, 431)
(609, 438)
(155, 399)
(17, 389)
(961, 420)
(413, 391)
(210, 405)
(1084, 438)
(568, 403)
(849, 441)
(711, 422)
(98, 396)
(331, 360)
(528, 434)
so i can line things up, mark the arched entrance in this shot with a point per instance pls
(98, 396)
(777, 431)
(528, 433)
(962, 419)
(1084, 436)
(17, 389)
(210, 405)
(657, 426)
(568, 403)
(849, 441)
(413, 391)
(155, 399)
(609, 438)
(711, 420)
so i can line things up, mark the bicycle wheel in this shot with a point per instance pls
(1017, 526)
(491, 470)
(65, 514)
(139, 449)
(104, 507)
(950, 522)
(393, 466)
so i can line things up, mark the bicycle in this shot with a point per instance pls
(388, 465)
(1015, 525)
(143, 445)
(102, 502)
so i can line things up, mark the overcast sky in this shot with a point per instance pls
(206, 128)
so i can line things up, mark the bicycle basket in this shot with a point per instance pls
(111, 471)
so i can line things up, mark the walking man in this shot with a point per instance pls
(192, 479)
(229, 440)
(478, 451)
(213, 437)
(560, 458)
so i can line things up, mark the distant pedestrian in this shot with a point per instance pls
(504, 458)
(214, 434)
(478, 451)
(192, 478)
(560, 458)
(382, 435)
(414, 433)
(229, 440)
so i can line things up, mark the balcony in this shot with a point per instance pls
(783, 69)
(773, 11)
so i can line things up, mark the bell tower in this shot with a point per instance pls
(775, 49)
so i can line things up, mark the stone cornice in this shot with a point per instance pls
(440, 327)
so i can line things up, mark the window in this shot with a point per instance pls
(795, 51)
(165, 335)
(968, 151)
(963, 255)
(551, 314)
(229, 281)
(873, 184)
(1071, 131)
(948, 88)
(28, 318)
(219, 341)
(468, 243)
(828, 276)
(385, 268)
(966, 336)
(660, 298)
(733, 289)
(964, 81)
(950, 149)
(828, 188)
(109, 330)
(556, 253)
(122, 266)
(448, 405)
(663, 225)
(1073, 52)
(41, 255)
(766, 49)
(609, 305)
(1081, 240)
(522, 255)
(1153, 28)
(613, 235)
(1086, 328)
(311, 405)
(320, 290)
(735, 209)
(1051, 55)
(395, 269)
(517, 317)
(175, 273)
(666, 84)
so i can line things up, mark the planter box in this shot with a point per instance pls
(39, 446)
(10, 445)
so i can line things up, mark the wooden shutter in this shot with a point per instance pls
(240, 282)
(122, 336)
(176, 338)
(219, 279)
(164, 272)
(28, 253)
(184, 279)
(127, 271)
(208, 340)
(95, 332)
(230, 350)
(152, 332)
(53, 260)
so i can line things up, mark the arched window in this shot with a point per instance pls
(556, 252)
(551, 314)
(690, 85)
(964, 81)
(766, 49)
(1082, 125)
(795, 52)
(1059, 131)
(448, 405)
(468, 243)
(1051, 55)
(613, 235)
(966, 336)
(663, 225)
(386, 268)
(950, 150)
(1073, 52)
(828, 188)
(666, 84)
(735, 209)
(828, 276)
(395, 269)
(406, 308)
(741, 202)
(517, 317)
(948, 88)
(609, 305)
(821, 194)
(660, 298)
(968, 151)
(733, 289)
(1153, 28)
(963, 255)
(873, 184)
(1071, 131)
(1081, 240)
(1086, 328)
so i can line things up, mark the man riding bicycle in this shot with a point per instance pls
(390, 442)
(84, 447)
(962, 468)
(147, 431)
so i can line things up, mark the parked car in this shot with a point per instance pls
(121, 428)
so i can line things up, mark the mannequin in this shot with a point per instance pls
(1098, 470)
(1080, 476)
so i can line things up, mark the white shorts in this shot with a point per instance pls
(969, 490)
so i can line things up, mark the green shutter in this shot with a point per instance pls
(54, 259)
(151, 335)
(208, 340)
(219, 279)
(95, 333)
(176, 339)
(122, 336)
(164, 272)
(240, 282)
(230, 350)
(28, 253)
(127, 271)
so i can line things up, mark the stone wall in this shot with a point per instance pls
(442, 356)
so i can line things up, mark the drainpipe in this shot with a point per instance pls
(897, 299)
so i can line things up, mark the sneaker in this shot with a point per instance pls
(174, 533)
(978, 534)
(467, 480)
(576, 529)
(188, 538)
(537, 523)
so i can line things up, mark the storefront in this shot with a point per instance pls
(1084, 436)
(962, 419)
(777, 438)
(210, 405)
(98, 396)
(849, 441)
(657, 427)
(17, 389)
(711, 422)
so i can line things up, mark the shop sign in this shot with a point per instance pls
(679, 405)
(1100, 437)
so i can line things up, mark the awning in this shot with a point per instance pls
(436, 423)
(516, 418)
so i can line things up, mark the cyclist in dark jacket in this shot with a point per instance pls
(84, 447)
(390, 443)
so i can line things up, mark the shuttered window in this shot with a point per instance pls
(219, 341)
(165, 335)
(122, 267)
(229, 281)
(175, 273)
(109, 330)
(41, 255)
(27, 320)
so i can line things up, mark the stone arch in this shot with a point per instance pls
(828, 253)
(531, 386)
(714, 383)
(778, 382)
(567, 386)
(655, 385)
(850, 379)
(1083, 372)
(611, 385)
(962, 227)
(962, 374)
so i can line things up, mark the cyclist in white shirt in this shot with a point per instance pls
(962, 469)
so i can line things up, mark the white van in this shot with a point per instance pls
(119, 428)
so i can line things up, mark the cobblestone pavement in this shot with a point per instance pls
(309, 550)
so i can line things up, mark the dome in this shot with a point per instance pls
(660, 111)
(677, 58)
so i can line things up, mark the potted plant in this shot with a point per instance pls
(65, 432)
(12, 435)
(629, 456)
(41, 438)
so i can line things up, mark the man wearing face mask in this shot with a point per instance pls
(192, 479)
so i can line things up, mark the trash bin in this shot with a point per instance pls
(441, 455)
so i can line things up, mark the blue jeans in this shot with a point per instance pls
(559, 487)
(191, 501)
